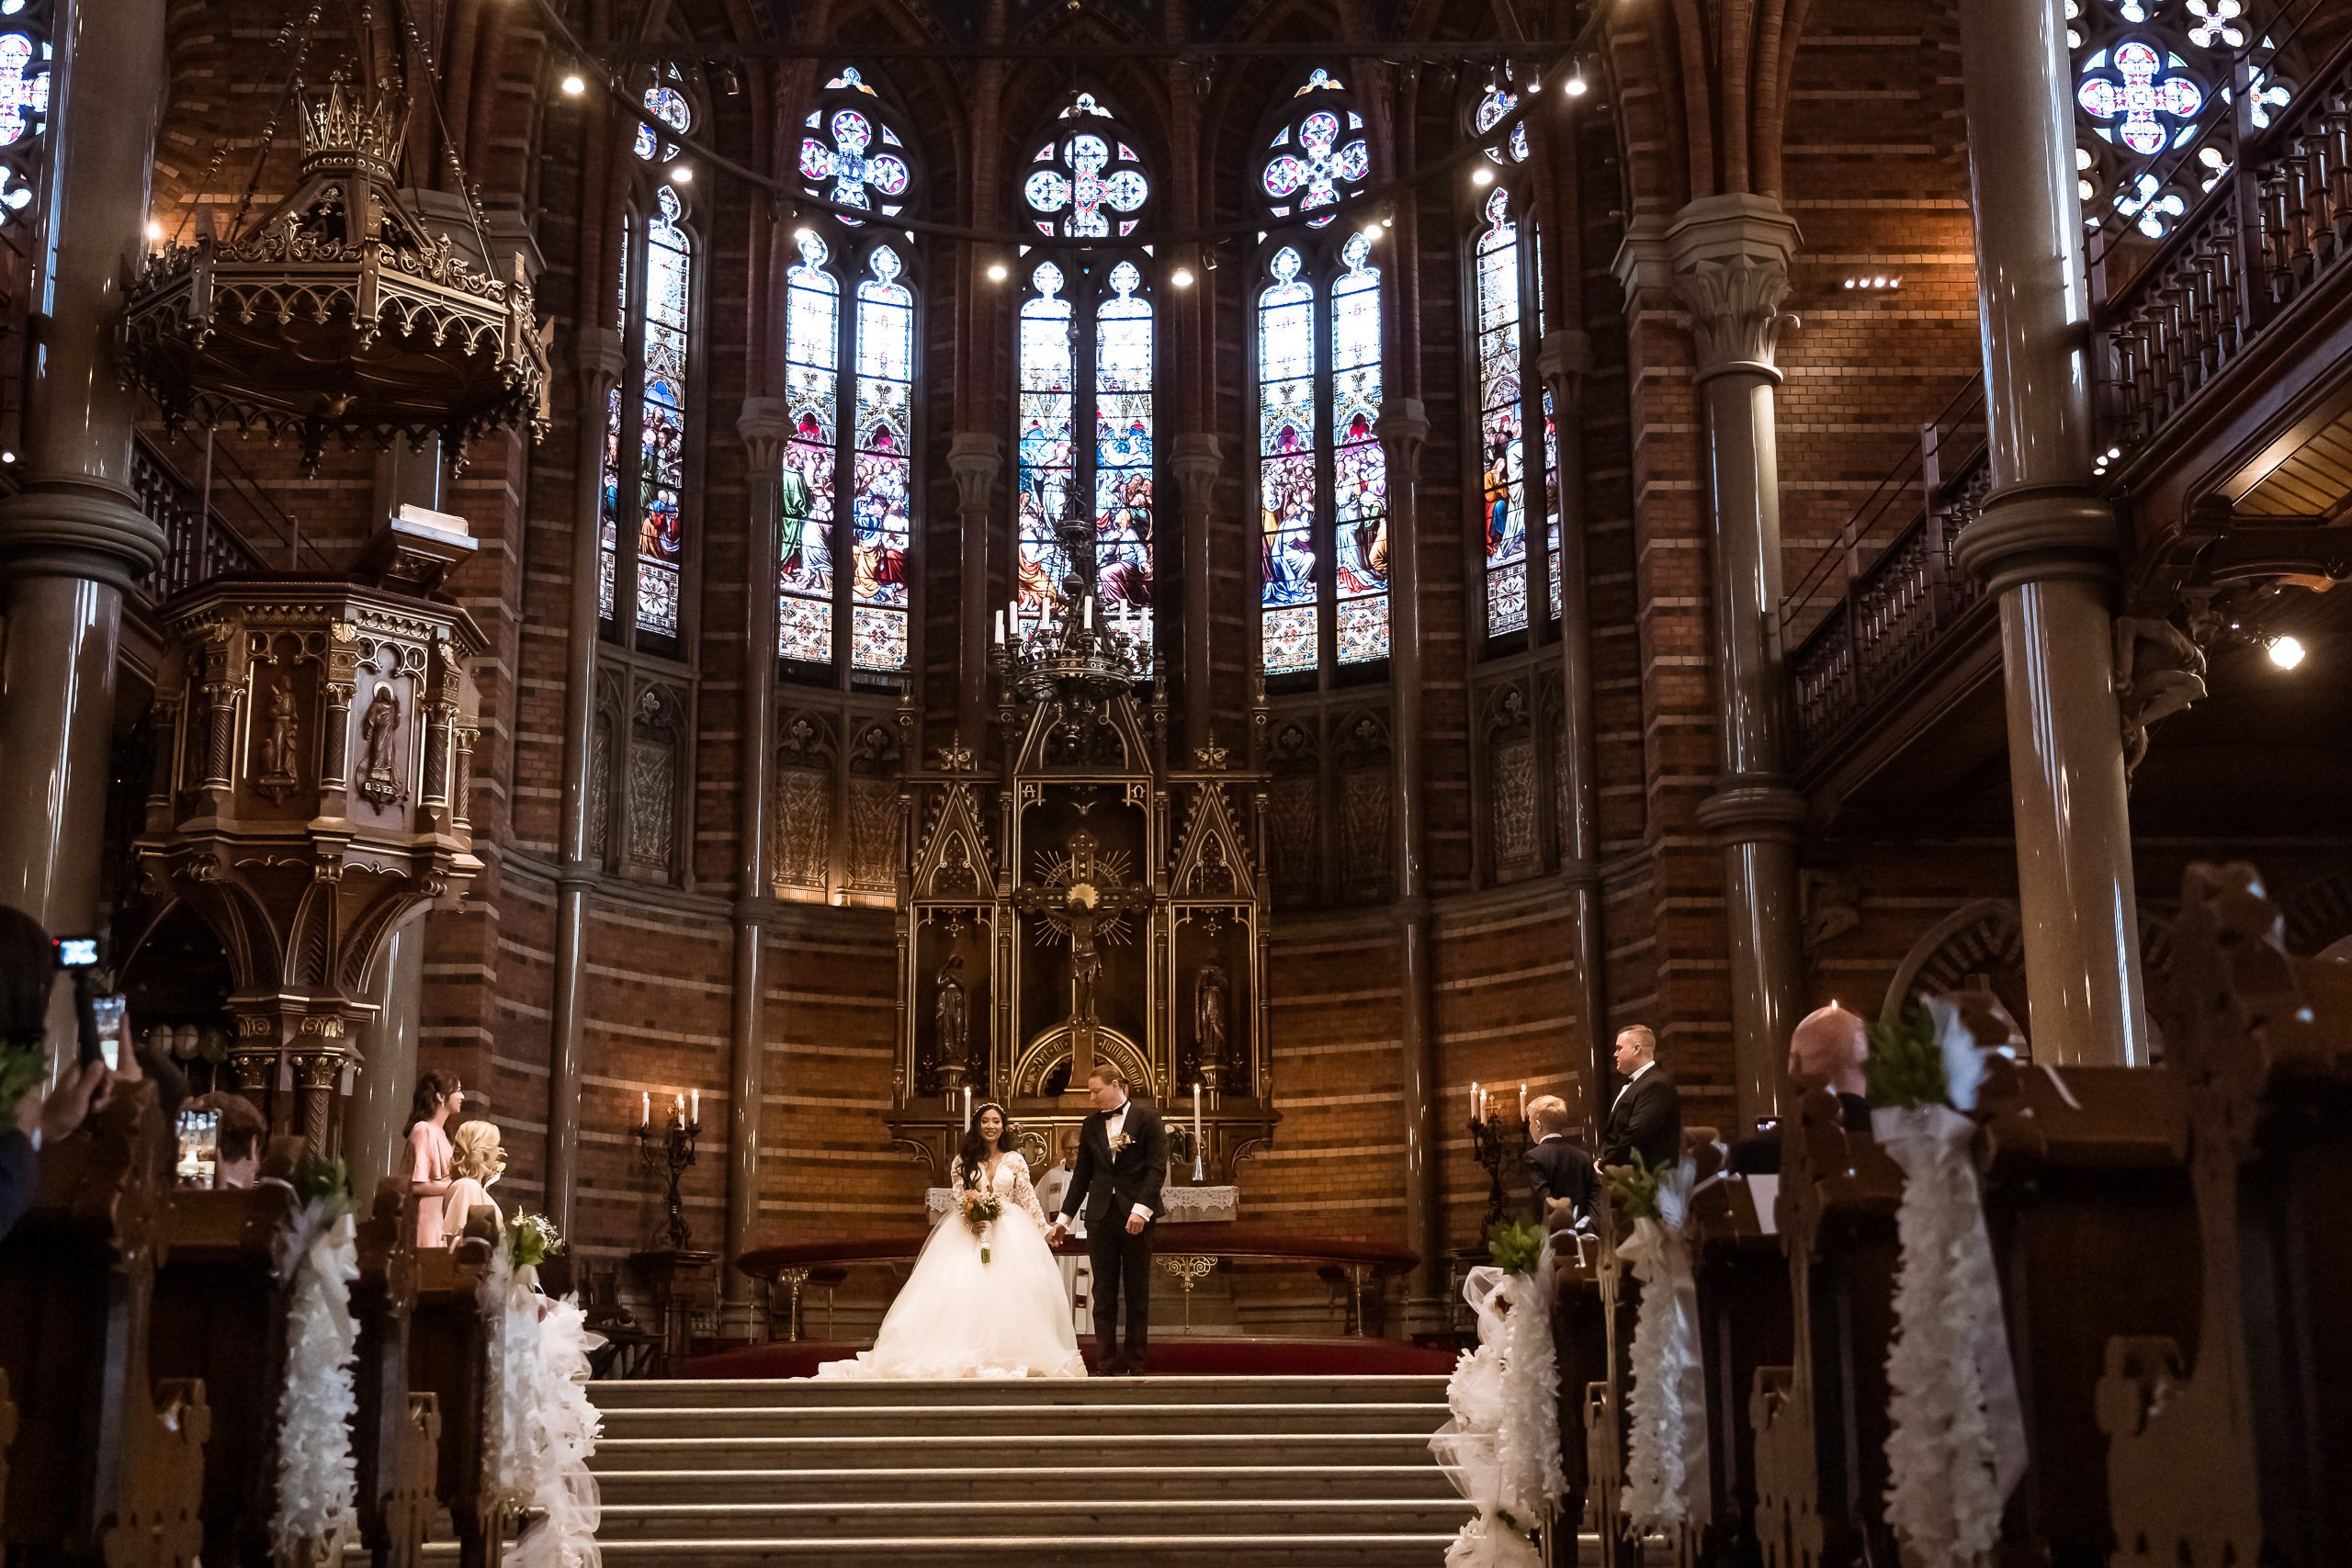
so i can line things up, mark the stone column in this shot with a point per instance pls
(1564, 363)
(975, 459)
(2046, 544)
(1730, 260)
(596, 358)
(1404, 428)
(1199, 459)
(764, 424)
(73, 542)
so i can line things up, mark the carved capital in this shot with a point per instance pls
(1731, 257)
(764, 424)
(1198, 461)
(1403, 428)
(975, 458)
(597, 359)
(1565, 355)
(1642, 261)
(2039, 535)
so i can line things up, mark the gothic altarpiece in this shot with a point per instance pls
(1090, 902)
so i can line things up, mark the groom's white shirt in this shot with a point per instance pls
(1113, 1125)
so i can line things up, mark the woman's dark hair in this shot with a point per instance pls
(28, 965)
(975, 1152)
(432, 1088)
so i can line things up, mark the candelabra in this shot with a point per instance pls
(1071, 646)
(671, 1148)
(1493, 1141)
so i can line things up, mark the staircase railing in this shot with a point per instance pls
(221, 521)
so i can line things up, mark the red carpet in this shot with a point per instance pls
(1174, 1358)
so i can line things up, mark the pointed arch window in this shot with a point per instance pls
(643, 525)
(1515, 442)
(848, 478)
(1322, 476)
(1086, 358)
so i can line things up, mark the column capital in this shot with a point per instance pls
(1643, 262)
(1565, 354)
(1198, 461)
(1403, 427)
(2039, 533)
(78, 529)
(976, 458)
(1730, 255)
(1747, 808)
(596, 358)
(763, 425)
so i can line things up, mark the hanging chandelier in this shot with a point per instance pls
(338, 317)
(1071, 648)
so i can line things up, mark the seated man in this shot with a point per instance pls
(1559, 1169)
(1827, 1051)
(237, 1145)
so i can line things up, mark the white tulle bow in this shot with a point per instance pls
(1501, 1449)
(317, 1479)
(1666, 1463)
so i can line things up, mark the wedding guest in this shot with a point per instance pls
(475, 1164)
(236, 1157)
(28, 969)
(1826, 1051)
(1646, 1115)
(439, 1098)
(1559, 1169)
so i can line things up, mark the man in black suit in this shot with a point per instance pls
(1559, 1169)
(1122, 1163)
(1646, 1115)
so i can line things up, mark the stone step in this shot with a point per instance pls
(767, 1393)
(1100, 1514)
(1029, 1419)
(631, 1488)
(910, 1451)
(1188, 1551)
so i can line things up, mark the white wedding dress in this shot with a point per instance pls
(958, 1317)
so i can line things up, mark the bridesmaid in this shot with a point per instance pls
(439, 1098)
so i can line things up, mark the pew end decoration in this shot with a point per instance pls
(1956, 1446)
(1502, 1446)
(540, 1427)
(1666, 1460)
(318, 1473)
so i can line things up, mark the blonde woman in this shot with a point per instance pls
(475, 1167)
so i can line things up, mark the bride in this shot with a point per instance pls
(980, 1305)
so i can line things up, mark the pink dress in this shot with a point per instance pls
(428, 1160)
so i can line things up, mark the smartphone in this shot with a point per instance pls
(77, 951)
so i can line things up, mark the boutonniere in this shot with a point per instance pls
(1122, 1140)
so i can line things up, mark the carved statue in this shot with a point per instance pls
(1208, 1013)
(1079, 910)
(277, 746)
(950, 1014)
(378, 779)
(2159, 670)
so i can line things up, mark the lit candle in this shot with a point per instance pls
(678, 1112)
(968, 1107)
(1474, 1100)
(1000, 628)
(645, 1109)
(1522, 1102)
(693, 1118)
(1196, 1120)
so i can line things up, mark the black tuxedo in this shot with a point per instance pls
(1110, 1184)
(1647, 1116)
(1560, 1167)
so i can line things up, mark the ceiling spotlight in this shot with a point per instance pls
(2115, 451)
(681, 173)
(1482, 176)
(1389, 222)
(2285, 652)
(1575, 87)
(154, 231)
(1181, 277)
(575, 85)
(1372, 231)
(997, 272)
(7, 457)
(1536, 83)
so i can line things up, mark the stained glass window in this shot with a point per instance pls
(847, 156)
(1497, 103)
(1322, 478)
(1502, 451)
(885, 477)
(813, 313)
(642, 493)
(24, 97)
(1086, 181)
(1123, 447)
(1047, 456)
(670, 106)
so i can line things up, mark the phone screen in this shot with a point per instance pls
(77, 951)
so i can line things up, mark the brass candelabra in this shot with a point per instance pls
(671, 1148)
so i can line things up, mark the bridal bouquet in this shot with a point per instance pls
(531, 1238)
(982, 1210)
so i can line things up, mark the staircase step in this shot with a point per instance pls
(1187, 1551)
(913, 1451)
(768, 1392)
(1100, 1514)
(1029, 1418)
(631, 1488)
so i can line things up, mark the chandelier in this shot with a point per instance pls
(339, 316)
(1071, 649)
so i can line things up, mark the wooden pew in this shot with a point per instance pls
(2233, 1446)
(450, 1359)
(220, 1317)
(1580, 1349)
(110, 1467)
(1745, 1323)
(1821, 1421)
(396, 1432)
(2093, 1232)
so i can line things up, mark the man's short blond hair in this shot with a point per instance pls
(1645, 1037)
(1548, 1111)
(1109, 1072)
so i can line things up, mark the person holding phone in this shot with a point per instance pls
(29, 963)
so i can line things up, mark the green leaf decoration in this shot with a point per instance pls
(1904, 1068)
(531, 1239)
(327, 1178)
(1634, 1187)
(24, 1064)
(1516, 1247)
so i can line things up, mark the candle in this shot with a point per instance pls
(1522, 1102)
(645, 1109)
(1000, 628)
(1474, 1100)
(678, 1112)
(693, 1119)
(1196, 1120)
(968, 1107)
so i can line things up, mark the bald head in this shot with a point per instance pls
(1829, 1048)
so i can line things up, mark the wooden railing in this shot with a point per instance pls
(222, 520)
(1901, 589)
(2269, 233)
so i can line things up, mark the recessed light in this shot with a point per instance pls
(1181, 277)
(682, 175)
(2285, 652)
(1482, 176)
(575, 85)
(997, 271)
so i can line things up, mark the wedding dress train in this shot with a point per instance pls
(960, 1317)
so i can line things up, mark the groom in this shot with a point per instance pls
(1122, 1163)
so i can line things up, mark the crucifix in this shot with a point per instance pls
(1083, 901)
